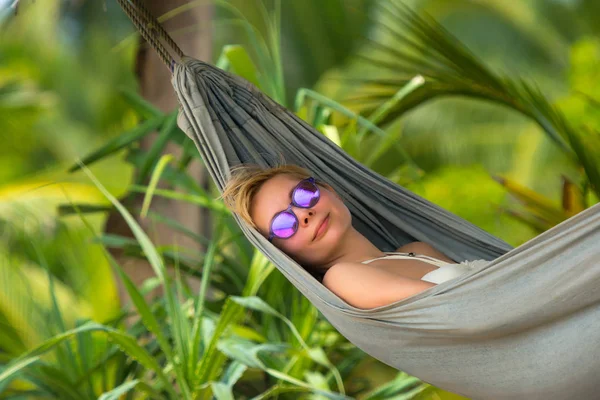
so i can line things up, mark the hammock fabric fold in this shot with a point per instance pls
(525, 326)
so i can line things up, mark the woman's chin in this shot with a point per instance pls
(305, 262)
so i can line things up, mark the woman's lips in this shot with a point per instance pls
(322, 228)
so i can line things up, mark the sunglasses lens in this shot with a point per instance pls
(306, 194)
(284, 225)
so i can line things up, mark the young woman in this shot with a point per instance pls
(308, 220)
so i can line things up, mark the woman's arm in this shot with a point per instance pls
(366, 286)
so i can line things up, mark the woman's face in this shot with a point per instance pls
(274, 196)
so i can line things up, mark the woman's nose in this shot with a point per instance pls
(304, 215)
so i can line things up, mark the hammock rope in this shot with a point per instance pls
(152, 31)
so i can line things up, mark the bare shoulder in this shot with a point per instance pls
(367, 286)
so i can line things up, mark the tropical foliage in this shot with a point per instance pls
(447, 122)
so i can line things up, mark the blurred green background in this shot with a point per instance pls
(505, 132)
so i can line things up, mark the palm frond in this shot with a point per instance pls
(417, 44)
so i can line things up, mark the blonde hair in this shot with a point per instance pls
(245, 182)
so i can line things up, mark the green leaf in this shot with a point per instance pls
(258, 304)
(384, 109)
(366, 124)
(331, 133)
(162, 163)
(126, 387)
(180, 329)
(222, 391)
(116, 241)
(587, 147)
(127, 343)
(67, 209)
(195, 336)
(158, 266)
(143, 239)
(68, 361)
(403, 386)
(148, 318)
(168, 130)
(140, 105)
(233, 373)
(247, 352)
(121, 142)
(209, 367)
(277, 389)
(260, 269)
(203, 201)
(287, 378)
(304, 93)
(49, 376)
(16, 366)
(268, 59)
(235, 59)
(422, 46)
(316, 380)
(538, 204)
(119, 390)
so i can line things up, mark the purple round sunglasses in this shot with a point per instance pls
(285, 223)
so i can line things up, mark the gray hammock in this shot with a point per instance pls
(524, 326)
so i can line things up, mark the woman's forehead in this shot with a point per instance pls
(280, 181)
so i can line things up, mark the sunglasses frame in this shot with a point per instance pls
(293, 204)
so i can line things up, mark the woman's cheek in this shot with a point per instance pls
(291, 248)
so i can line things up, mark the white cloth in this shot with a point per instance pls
(450, 271)
(445, 270)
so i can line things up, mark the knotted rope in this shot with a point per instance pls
(152, 31)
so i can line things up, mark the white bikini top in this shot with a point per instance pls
(439, 275)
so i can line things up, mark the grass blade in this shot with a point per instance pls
(199, 303)
(140, 105)
(160, 166)
(126, 387)
(168, 129)
(127, 343)
(202, 201)
(258, 304)
(158, 266)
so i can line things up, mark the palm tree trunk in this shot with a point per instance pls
(155, 84)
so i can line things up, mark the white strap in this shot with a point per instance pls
(420, 257)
